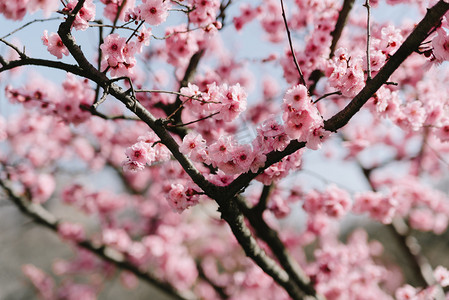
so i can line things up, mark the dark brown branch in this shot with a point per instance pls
(341, 22)
(44, 63)
(368, 39)
(271, 237)
(233, 216)
(43, 217)
(301, 75)
(260, 207)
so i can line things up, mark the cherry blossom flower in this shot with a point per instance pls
(54, 44)
(440, 45)
(154, 12)
(441, 275)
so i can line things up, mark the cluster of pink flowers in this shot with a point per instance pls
(112, 7)
(440, 42)
(204, 12)
(334, 202)
(54, 44)
(67, 103)
(181, 197)
(345, 73)
(146, 151)
(303, 121)
(227, 102)
(406, 292)
(379, 207)
(71, 231)
(247, 14)
(153, 12)
(180, 45)
(348, 271)
(225, 153)
(119, 54)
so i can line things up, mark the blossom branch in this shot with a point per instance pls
(43, 217)
(301, 75)
(368, 39)
(28, 24)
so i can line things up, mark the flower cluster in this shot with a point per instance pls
(146, 151)
(54, 44)
(204, 12)
(303, 121)
(223, 101)
(153, 12)
(345, 73)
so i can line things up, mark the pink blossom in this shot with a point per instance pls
(71, 231)
(43, 188)
(132, 166)
(154, 12)
(381, 208)
(247, 14)
(221, 150)
(233, 102)
(440, 45)
(139, 152)
(193, 145)
(422, 219)
(14, 10)
(441, 275)
(54, 44)
(205, 12)
(180, 198)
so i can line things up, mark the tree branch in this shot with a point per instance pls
(271, 237)
(341, 22)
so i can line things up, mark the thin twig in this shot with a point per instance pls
(301, 75)
(327, 95)
(117, 16)
(21, 54)
(95, 112)
(178, 94)
(29, 23)
(368, 39)
(196, 121)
